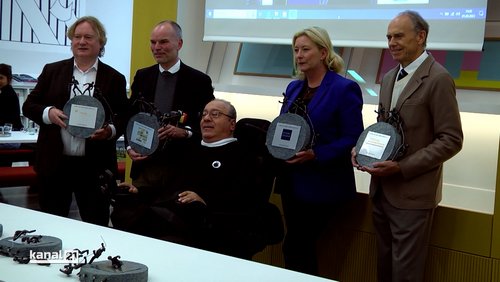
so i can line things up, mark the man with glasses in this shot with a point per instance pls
(217, 183)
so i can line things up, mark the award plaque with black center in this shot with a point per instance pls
(142, 133)
(85, 115)
(378, 142)
(287, 135)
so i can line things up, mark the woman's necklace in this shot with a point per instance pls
(310, 91)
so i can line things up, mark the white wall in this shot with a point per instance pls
(469, 177)
(29, 58)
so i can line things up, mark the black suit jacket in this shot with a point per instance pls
(193, 90)
(53, 89)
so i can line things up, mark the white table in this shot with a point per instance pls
(166, 261)
(25, 137)
(19, 137)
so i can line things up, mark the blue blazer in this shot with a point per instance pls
(336, 118)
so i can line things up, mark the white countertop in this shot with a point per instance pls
(25, 137)
(19, 137)
(166, 261)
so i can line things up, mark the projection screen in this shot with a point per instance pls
(454, 24)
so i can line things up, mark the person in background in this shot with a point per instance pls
(406, 191)
(66, 164)
(170, 85)
(10, 115)
(318, 180)
(11, 111)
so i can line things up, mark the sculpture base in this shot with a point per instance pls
(104, 271)
(22, 249)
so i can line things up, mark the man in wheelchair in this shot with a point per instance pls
(219, 202)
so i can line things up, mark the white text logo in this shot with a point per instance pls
(63, 257)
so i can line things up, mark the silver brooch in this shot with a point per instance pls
(216, 164)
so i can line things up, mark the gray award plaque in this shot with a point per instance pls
(20, 248)
(142, 133)
(287, 135)
(85, 115)
(104, 271)
(378, 142)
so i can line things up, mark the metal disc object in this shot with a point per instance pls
(142, 133)
(287, 135)
(85, 115)
(104, 271)
(20, 248)
(378, 142)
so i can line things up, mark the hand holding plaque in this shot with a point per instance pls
(378, 142)
(287, 135)
(142, 128)
(142, 133)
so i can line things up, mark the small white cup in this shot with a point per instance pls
(7, 128)
(31, 128)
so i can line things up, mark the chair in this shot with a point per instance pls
(251, 133)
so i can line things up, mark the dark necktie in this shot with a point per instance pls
(166, 74)
(402, 73)
(165, 90)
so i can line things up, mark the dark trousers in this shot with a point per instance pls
(79, 176)
(402, 240)
(304, 224)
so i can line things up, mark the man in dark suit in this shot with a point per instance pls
(405, 191)
(67, 164)
(170, 85)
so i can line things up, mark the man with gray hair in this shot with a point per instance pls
(405, 191)
(169, 85)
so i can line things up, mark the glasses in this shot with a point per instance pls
(215, 114)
